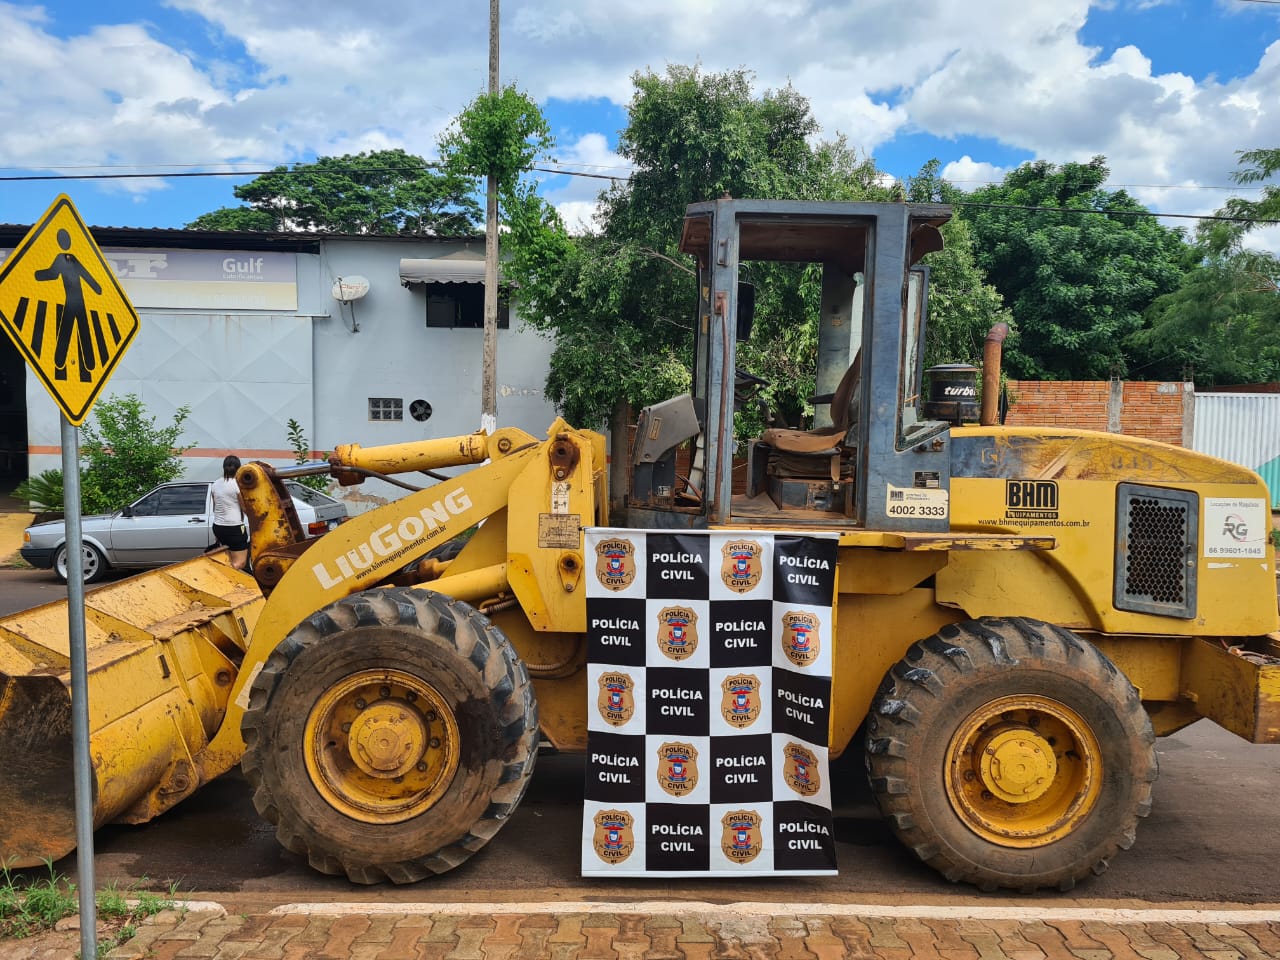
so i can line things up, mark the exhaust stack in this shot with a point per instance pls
(991, 350)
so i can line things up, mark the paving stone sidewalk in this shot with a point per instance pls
(676, 935)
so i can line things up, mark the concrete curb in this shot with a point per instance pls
(1108, 915)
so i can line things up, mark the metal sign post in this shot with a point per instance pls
(65, 311)
(79, 690)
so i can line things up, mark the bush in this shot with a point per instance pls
(127, 453)
(42, 492)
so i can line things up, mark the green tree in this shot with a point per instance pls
(383, 192)
(1076, 264)
(1223, 322)
(962, 305)
(620, 302)
(1258, 166)
(500, 134)
(1222, 325)
(127, 453)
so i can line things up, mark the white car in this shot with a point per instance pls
(172, 522)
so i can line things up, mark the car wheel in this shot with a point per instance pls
(95, 564)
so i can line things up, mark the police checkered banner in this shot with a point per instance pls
(709, 691)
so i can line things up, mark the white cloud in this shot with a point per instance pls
(969, 174)
(341, 79)
(575, 197)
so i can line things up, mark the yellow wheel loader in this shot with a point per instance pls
(1019, 612)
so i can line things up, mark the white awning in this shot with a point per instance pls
(442, 270)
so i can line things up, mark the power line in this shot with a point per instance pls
(31, 178)
(1112, 213)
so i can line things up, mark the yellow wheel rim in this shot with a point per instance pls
(381, 746)
(1023, 771)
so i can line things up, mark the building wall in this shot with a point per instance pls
(244, 373)
(1155, 410)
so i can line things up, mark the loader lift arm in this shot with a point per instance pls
(374, 688)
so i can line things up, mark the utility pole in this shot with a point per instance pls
(489, 361)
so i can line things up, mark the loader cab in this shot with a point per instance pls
(866, 456)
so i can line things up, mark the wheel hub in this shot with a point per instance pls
(381, 746)
(1017, 766)
(1023, 771)
(387, 739)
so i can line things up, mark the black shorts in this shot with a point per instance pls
(231, 537)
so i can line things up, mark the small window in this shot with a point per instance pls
(461, 305)
(386, 408)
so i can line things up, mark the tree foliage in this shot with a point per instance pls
(1257, 167)
(620, 302)
(383, 192)
(498, 134)
(126, 452)
(962, 306)
(1076, 264)
(302, 453)
(1222, 324)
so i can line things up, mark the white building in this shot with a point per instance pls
(244, 328)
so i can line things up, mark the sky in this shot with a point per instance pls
(1167, 90)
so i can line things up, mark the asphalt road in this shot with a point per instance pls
(1213, 837)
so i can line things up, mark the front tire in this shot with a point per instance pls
(1007, 752)
(95, 564)
(390, 735)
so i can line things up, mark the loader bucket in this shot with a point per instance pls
(164, 648)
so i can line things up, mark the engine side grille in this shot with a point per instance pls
(1156, 539)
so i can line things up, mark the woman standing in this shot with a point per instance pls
(228, 514)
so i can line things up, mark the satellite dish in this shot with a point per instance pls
(346, 289)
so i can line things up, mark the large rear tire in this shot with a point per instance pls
(1010, 753)
(390, 735)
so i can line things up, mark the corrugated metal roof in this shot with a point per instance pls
(12, 233)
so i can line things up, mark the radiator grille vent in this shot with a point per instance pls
(1156, 550)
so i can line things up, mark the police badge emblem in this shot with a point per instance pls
(740, 705)
(677, 632)
(616, 563)
(613, 840)
(740, 841)
(740, 566)
(800, 640)
(617, 700)
(800, 769)
(678, 768)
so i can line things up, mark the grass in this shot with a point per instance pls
(30, 907)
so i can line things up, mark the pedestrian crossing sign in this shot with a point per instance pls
(64, 309)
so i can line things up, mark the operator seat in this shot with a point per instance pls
(824, 442)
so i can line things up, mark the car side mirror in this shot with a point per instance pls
(126, 511)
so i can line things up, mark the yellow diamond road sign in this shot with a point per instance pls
(61, 304)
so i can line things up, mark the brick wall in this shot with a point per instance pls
(1058, 403)
(1155, 410)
